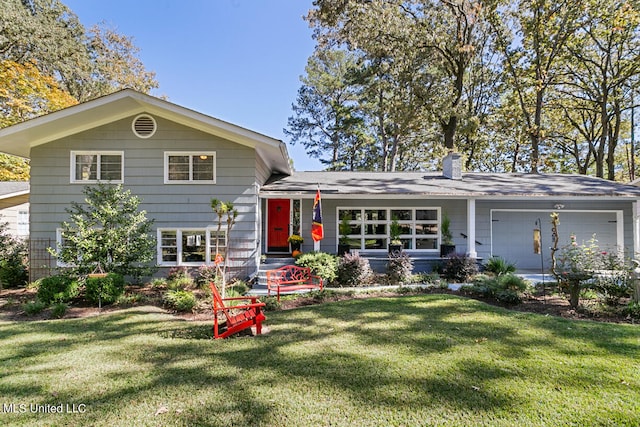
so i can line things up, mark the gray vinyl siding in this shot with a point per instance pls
(10, 217)
(455, 209)
(544, 208)
(170, 205)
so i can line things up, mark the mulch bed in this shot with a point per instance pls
(12, 300)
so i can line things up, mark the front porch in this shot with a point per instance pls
(377, 261)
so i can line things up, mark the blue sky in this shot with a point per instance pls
(236, 60)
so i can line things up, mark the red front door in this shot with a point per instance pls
(278, 214)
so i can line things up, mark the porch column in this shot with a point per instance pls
(636, 228)
(471, 228)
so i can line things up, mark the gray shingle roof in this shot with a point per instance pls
(334, 184)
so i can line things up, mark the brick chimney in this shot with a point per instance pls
(452, 166)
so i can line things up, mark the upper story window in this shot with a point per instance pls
(94, 166)
(190, 167)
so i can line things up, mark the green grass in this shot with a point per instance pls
(406, 361)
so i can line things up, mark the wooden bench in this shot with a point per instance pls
(236, 318)
(291, 278)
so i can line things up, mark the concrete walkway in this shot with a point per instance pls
(533, 278)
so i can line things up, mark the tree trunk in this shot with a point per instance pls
(534, 133)
(613, 143)
(574, 294)
(450, 132)
(604, 121)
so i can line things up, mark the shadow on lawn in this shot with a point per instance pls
(372, 350)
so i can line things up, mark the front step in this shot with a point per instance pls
(271, 263)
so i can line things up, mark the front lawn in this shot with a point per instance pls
(409, 361)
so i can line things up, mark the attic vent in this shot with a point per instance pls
(144, 126)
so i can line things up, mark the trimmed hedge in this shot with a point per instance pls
(105, 290)
(56, 289)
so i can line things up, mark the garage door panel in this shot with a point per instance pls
(512, 234)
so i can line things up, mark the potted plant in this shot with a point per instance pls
(295, 240)
(343, 242)
(395, 244)
(447, 247)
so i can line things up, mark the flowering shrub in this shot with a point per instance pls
(587, 266)
(322, 264)
(295, 239)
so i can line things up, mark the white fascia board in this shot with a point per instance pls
(18, 139)
(16, 194)
(310, 194)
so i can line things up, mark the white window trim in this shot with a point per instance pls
(363, 222)
(99, 153)
(210, 245)
(58, 247)
(167, 154)
(22, 222)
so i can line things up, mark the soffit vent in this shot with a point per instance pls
(144, 126)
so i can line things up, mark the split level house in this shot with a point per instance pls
(176, 160)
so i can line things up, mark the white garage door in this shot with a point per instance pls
(512, 234)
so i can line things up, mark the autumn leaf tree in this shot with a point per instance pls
(24, 94)
(49, 61)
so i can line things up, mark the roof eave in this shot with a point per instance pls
(20, 138)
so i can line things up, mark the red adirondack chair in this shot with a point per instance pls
(236, 318)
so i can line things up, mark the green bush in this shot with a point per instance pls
(104, 290)
(237, 289)
(58, 288)
(506, 288)
(632, 310)
(13, 259)
(499, 266)
(399, 269)
(512, 282)
(321, 263)
(613, 286)
(353, 270)
(459, 268)
(182, 301)
(271, 303)
(180, 283)
(508, 296)
(13, 273)
(34, 307)
(58, 310)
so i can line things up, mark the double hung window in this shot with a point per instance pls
(190, 246)
(189, 167)
(95, 166)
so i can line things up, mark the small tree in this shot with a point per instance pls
(225, 213)
(107, 232)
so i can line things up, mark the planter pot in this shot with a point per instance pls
(343, 249)
(395, 249)
(295, 247)
(446, 250)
